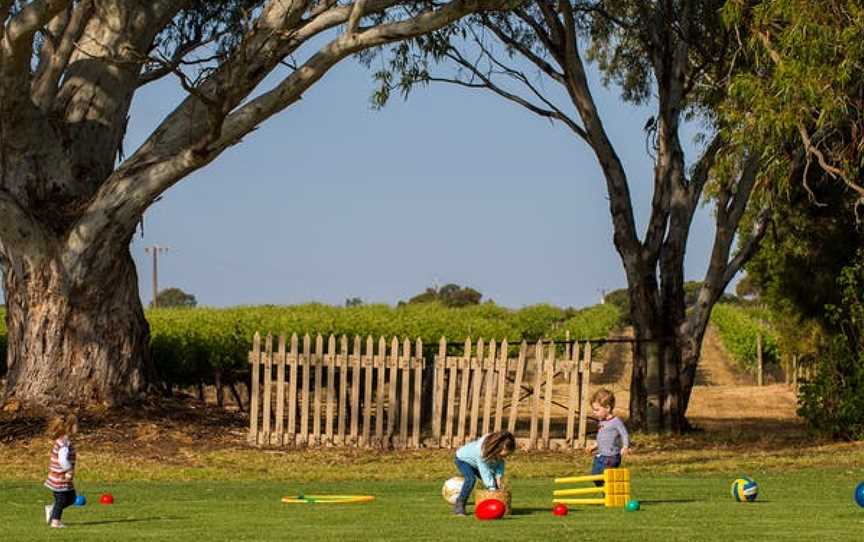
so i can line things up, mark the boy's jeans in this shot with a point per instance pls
(603, 462)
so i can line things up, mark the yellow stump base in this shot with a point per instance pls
(615, 489)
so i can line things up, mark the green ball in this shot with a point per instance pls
(632, 506)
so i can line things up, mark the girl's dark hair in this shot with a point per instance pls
(496, 442)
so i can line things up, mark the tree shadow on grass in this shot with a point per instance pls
(651, 502)
(526, 511)
(129, 520)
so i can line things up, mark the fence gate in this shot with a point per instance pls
(309, 395)
(543, 396)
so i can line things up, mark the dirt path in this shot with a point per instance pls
(724, 396)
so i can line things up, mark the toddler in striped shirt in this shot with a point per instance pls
(61, 470)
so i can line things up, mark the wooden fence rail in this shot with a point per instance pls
(373, 397)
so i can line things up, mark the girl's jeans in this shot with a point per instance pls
(470, 474)
(62, 499)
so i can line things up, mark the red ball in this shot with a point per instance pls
(560, 509)
(490, 509)
(106, 498)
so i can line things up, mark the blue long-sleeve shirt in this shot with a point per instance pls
(472, 453)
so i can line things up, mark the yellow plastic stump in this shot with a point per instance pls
(615, 489)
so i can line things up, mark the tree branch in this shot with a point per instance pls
(544, 66)
(44, 87)
(24, 25)
(357, 13)
(703, 168)
(721, 270)
(552, 112)
(760, 227)
(831, 170)
(661, 208)
(553, 23)
(179, 146)
(620, 204)
(178, 59)
(743, 189)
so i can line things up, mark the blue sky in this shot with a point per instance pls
(332, 200)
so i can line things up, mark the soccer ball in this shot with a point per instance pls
(745, 489)
(452, 487)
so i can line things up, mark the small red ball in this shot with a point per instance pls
(106, 498)
(560, 509)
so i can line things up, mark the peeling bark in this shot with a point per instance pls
(75, 344)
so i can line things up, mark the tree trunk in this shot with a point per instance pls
(657, 398)
(73, 344)
(646, 387)
(220, 390)
(690, 353)
(638, 394)
(236, 395)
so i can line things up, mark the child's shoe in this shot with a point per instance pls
(48, 509)
(459, 508)
(57, 525)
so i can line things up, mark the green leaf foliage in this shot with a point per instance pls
(589, 323)
(187, 344)
(739, 327)
(832, 402)
(801, 69)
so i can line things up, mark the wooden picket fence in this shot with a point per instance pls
(311, 396)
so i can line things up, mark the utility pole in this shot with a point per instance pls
(155, 250)
(602, 295)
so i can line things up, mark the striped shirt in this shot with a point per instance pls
(611, 437)
(62, 461)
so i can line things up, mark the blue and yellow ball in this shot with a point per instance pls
(745, 489)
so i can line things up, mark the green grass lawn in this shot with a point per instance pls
(812, 504)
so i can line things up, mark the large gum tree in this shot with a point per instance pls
(70, 199)
(673, 55)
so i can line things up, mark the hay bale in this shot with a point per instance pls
(502, 495)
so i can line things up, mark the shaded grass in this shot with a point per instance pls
(803, 505)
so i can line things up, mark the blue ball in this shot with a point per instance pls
(80, 500)
(745, 489)
(859, 494)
